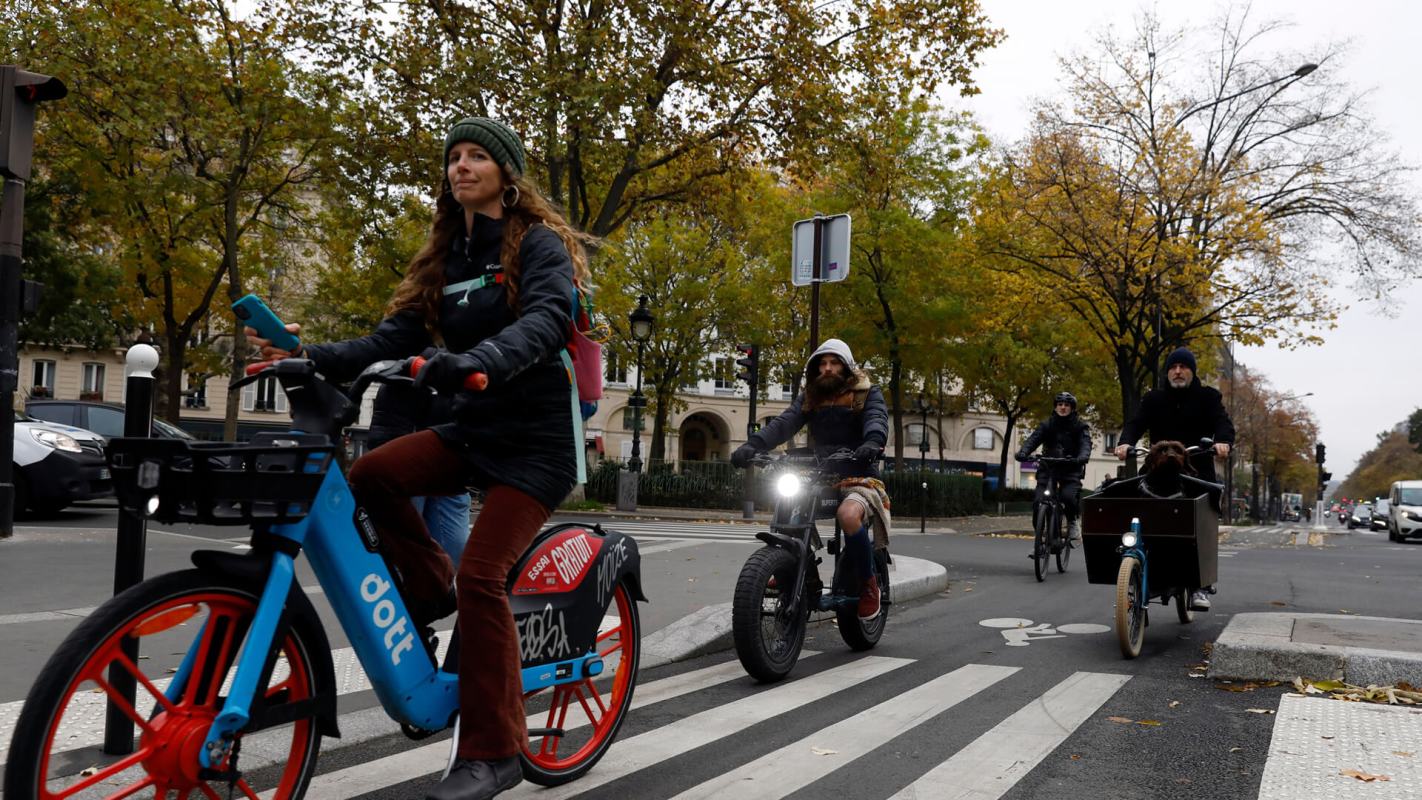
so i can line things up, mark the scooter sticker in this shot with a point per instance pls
(560, 563)
(1020, 632)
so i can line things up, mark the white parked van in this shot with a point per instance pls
(1405, 515)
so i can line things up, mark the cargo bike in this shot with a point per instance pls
(1151, 547)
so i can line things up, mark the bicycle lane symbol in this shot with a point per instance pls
(1020, 632)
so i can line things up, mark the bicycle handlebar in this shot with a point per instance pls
(475, 382)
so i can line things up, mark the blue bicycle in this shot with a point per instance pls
(235, 652)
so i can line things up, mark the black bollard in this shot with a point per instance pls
(132, 541)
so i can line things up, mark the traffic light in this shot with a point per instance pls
(1324, 476)
(750, 366)
(1318, 453)
(19, 92)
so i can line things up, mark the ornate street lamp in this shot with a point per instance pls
(641, 322)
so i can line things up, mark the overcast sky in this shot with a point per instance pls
(1367, 375)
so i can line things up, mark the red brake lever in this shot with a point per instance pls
(254, 368)
(476, 382)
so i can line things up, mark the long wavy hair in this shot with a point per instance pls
(422, 288)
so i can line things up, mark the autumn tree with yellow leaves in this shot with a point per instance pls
(1168, 212)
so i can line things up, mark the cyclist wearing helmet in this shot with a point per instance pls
(1063, 435)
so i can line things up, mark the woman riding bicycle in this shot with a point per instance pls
(492, 288)
(1063, 435)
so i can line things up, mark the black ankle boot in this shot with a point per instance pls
(478, 780)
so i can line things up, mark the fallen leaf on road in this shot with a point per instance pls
(1174, 703)
(1075, 756)
(1128, 721)
(1151, 722)
(969, 589)
(1236, 749)
(88, 771)
(1366, 777)
(1259, 710)
(821, 751)
(1277, 603)
(1403, 753)
(1325, 737)
(1120, 719)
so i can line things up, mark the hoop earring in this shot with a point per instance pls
(516, 196)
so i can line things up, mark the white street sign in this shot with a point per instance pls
(834, 246)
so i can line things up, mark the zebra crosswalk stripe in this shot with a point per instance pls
(682, 736)
(429, 759)
(797, 765)
(992, 763)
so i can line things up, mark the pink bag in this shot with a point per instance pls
(585, 351)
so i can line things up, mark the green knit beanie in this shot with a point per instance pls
(496, 137)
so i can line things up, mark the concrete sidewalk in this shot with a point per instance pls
(1282, 646)
(980, 523)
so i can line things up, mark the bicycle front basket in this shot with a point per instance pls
(274, 480)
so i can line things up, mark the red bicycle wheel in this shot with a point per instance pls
(589, 712)
(57, 750)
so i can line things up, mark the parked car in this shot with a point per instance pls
(57, 465)
(1362, 516)
(1380, 514)
(105, 419)
(1405, 510)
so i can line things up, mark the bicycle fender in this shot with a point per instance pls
(563, 586)
(300, 613)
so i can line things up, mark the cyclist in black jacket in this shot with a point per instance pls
(1063, 435)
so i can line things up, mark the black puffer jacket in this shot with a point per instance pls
(518, 432)
(1061, 437)
(833, 426)
(1183, 415)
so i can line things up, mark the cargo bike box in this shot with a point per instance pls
(1181, 534)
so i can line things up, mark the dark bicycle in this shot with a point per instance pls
(1048, 510)
(779, 587)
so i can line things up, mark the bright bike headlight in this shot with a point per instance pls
(1129, 539)
(57, 440)
(788, 485)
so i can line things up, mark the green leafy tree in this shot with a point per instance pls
(181, 152)
(629, 106)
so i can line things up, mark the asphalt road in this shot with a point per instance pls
(1033, 704)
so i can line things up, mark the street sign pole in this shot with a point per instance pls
(819, 258)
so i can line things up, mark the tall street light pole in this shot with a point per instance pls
(640, 322)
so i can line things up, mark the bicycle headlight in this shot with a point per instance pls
(57, 440)
(152, 506)
(788, 485)
(1129, 539)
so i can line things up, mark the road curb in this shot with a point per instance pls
(1259, 646)
(708, 630)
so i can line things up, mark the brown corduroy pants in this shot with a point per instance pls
(490, 684)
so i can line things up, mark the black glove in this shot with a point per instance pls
(446, 371)
(744, 454)
(1019, 456)
(868, 452)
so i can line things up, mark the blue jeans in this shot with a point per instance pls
(448, 521)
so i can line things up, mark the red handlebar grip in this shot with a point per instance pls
(476, 382)
(253, 369)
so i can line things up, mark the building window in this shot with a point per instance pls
(982, 438)
(264, 395)
(616, 370)
(194, 397)
(42, 384)
(1111, 437)
(92, 387)
(787, 386)
(723, 372)
(627, 419)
